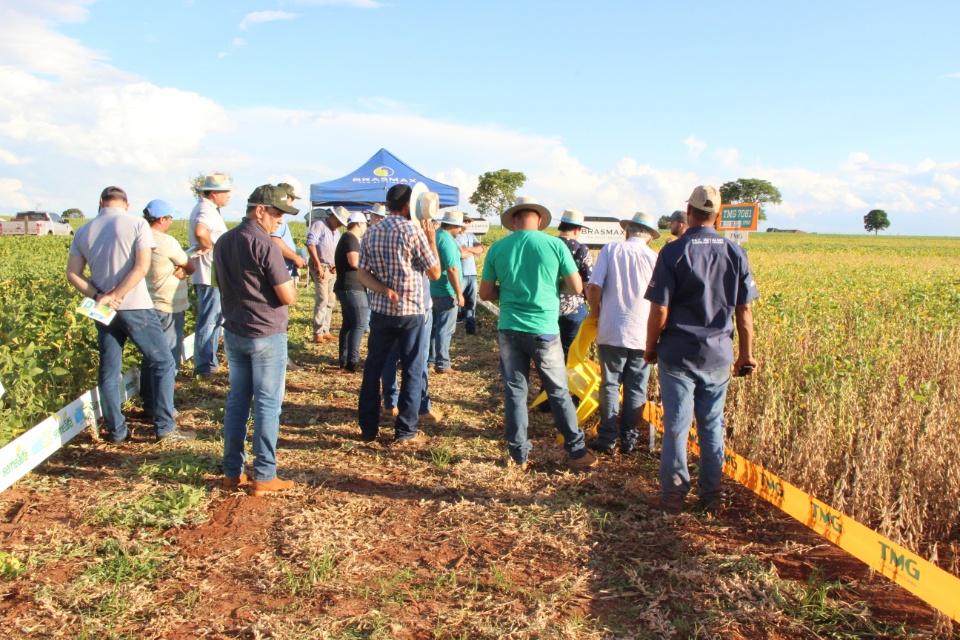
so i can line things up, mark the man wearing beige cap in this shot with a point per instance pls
(322, 239)
(700, 283)
(526, 272)
(206, 226)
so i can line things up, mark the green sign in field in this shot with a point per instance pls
(739, 216)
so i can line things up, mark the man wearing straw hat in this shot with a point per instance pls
(446, 292)
(322, 239)
(395, 256)
(206, 226)
(470, 248)
(615, 294)
(573, 307)
(523, 271)
(377, 213)
(700, 283)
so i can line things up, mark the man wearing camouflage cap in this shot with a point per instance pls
(256, 290)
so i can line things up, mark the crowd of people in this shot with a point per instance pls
(405, 279)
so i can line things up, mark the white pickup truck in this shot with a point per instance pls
(36, 223)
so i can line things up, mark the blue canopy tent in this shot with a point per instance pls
(369, 184)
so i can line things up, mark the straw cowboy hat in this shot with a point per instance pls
(217, 182)
(378, 210)
(424, 204)
(453, 217)
(341, 214)
(525, 202)
(572, 216)
(644, 220)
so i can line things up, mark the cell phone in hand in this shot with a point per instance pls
(745, 370)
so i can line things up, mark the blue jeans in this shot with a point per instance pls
(206, 339)
(517, 349)
(258, 374)
(444, 324)
(570, 326)
(469, 310)
(621, 366)
(142, 327)
(172, 325)
(687, 393)
(353, 305)
(386, 331)
(389, 375)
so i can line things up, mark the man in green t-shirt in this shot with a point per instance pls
(447, 292)
(527, 271)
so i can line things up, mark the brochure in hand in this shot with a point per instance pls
(99, 312)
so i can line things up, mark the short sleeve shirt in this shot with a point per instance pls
(169, 292)
(623, 271)
(207, 214)
(468, 266)
(109, 244)
(283, 232)
(346, 275)
(249, 266)
(581, 257)
(449, 257)
(396, 252)
(700, 278)
(528, 265)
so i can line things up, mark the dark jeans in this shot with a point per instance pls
(389, 375)
(385, 332)
(142, 327)
(570, 326)
(353, 305)
(468, 313)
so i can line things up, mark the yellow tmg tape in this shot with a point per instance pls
(923, 579)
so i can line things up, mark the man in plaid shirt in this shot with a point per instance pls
(394, 256)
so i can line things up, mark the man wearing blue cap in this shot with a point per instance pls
(166, 282)
(206, 227)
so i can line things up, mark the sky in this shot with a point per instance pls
(607, 107)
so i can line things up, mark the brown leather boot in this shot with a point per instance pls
(232, 484)
(261, 489)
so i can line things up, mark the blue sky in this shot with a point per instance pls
(609, 107)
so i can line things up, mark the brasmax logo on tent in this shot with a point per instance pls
(383, 172)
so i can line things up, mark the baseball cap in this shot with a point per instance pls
(356, 217)
(157, 209)
(271, 196)
(705, 198)
(288, 189)
(678, 216)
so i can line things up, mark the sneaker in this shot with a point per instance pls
(600, 447)
(670, 508)
(417, 439)
(627, 449)
(178, 435)
(586, 461)
(233, 484)
(430, 417)
(125, 438)
(261, 489)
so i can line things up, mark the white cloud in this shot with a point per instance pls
(239, 42)
(695, 147)
(356, 4)
(10, 196)
(951, 75)
(728, 158)
(8, 157)
(259, 17)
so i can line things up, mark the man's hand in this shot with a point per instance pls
(650, 355)
(429, 231)
(745, 360)
(460, 300)
(111, 300)
(200, 251)
(179, 273)
(299, 262)
(393, 297)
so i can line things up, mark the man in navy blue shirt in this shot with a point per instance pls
(700, 283)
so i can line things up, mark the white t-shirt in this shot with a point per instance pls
(207, 214)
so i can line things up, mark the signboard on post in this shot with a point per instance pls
(738, 217)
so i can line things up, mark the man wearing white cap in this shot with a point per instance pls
(322, 239)
(446, 292)
(700, 283)
(206, 227)
(523, 271)
(615, 294)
